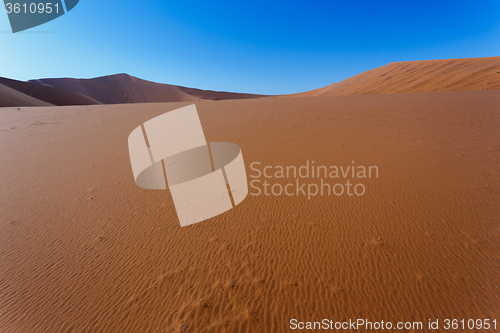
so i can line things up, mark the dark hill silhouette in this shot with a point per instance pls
(10, 97)
(51, 95)
(123, 88)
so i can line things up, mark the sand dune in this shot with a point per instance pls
(83, 249)
(401, 77)
(123, 88)
(54, 96)
(419, 76)
(12, 97)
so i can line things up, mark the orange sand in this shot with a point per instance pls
(419, 76)
(83, 249)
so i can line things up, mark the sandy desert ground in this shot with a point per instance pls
(83, 249)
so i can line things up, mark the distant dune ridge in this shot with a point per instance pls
(43, 93)
(10, 97)
(123, 88)
(113, 89)
(399, 77)
(419, 76)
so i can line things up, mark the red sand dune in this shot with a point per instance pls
(12, 97)
(419, 76)
(54, 96)
(123, 88)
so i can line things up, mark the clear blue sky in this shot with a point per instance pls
(252, 46)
